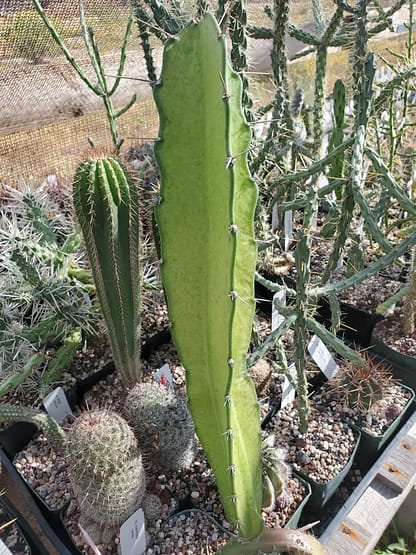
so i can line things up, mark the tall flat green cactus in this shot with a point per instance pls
(205, 220)
(106, 206)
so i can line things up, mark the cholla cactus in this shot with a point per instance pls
(361, 388)
(44, 294)
(162, 424)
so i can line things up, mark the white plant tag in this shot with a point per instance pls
(132, 535)
(4, 550)
(275, 217)
(277, 318)
(322, 357)
(288, 228)
(89, 541)
(56, 405)
(164, 375)
(288, 391)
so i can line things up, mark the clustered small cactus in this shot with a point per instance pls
(361, 388)
(162, 424)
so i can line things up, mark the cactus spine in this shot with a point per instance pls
(106, 468)
(162, 424)
(107, 209)
(105, 465)
(205, 220)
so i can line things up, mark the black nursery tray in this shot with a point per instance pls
(27, 538)
(15, 438)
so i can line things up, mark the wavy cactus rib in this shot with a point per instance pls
(205, 219)
(107, 208)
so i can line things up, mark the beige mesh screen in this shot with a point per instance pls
(46, 111)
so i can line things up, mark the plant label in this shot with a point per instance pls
(164, 375)
(277, 318)
(56, 405)
(4, 550)
(275, 217)
(89, 541)
(322, 357)
(288, 391)
(132, 535)
(288, 228)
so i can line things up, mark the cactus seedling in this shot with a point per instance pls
(361, 388)
(107, 209)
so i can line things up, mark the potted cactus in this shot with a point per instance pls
(372, 401)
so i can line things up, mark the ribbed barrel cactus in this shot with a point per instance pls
(107, 208)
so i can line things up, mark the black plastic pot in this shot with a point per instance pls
(293, 521)
(404, 365)
(26, 532)
(371, 446)
(322, 493)
(356, 325)
(15, 438)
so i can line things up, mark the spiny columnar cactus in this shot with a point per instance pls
(361, 388)
(106, 468)
(162, 424)
(205, 219)
(107, 208)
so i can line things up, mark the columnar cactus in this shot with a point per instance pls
(107, 208)
(205, 218)
(162, 424)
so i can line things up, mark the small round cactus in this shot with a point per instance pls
(106, 468)
(361, 388)
(162, 424)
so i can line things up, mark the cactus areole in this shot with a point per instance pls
(205, 218)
